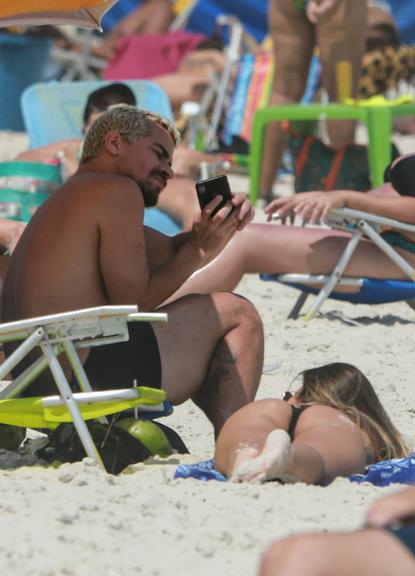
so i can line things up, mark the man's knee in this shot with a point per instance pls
(241, 309)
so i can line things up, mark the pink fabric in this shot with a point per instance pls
(148, 55)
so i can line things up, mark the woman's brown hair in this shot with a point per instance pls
(346, 388)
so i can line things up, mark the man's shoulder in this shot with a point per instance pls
(101, 181)
(104, 189)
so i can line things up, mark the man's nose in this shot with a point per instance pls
(168, 171)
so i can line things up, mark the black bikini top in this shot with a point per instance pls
(401, 174)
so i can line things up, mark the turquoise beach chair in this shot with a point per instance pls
(52, 111)
(24, 186)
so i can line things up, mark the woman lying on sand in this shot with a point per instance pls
(334, 425)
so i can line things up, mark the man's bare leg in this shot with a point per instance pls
(278, 249)
(365, 553)
(211, 351)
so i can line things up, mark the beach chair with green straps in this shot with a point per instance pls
(24, 186)
(62, 335)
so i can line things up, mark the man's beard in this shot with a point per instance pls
(150, 194)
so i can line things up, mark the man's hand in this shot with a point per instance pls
(212, 231)
(242, 209)
(392, 508)
(311, 206)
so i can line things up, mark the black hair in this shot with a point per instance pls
(101, 99)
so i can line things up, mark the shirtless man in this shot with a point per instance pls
(178, 199)
(86, 246)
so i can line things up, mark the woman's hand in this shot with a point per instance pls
(311, 206)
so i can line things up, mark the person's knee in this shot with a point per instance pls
(286, 94)
(241, 309)
(296, 555)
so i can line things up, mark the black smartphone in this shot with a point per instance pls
(216, 186)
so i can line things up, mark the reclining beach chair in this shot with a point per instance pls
(65, 333)
(52, 111)
(369, 290)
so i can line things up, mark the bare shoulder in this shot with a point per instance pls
(105, 187)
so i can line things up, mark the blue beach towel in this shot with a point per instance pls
(201, 471)
(397, 471)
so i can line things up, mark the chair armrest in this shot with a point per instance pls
(347, 215)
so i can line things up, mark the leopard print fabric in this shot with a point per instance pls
(382, 70)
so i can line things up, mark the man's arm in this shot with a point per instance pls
(132, 272)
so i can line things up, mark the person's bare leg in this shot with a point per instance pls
(211, 351)
(341, 38)
(364, 553)
(179, 200)
(293, 42)
(278, 249)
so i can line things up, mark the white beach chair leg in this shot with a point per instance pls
(21, 352)
(78, 370)
(335, 275)
(20, 383)
(66, 393)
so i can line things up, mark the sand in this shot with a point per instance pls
(78, 520)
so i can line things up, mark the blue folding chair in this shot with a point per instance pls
(368, 290)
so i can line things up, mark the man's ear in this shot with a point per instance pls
(113, 142)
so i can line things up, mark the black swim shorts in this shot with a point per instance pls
(118, 365)
(406, 535)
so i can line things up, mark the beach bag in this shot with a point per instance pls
(117, 447)
(319, 167)
(148, 55)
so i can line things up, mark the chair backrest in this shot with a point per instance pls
(52, 111)
(24, 186)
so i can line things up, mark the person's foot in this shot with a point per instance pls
(272, 463)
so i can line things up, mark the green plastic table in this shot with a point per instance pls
(378, 120)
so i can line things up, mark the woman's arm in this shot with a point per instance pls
(315, 206)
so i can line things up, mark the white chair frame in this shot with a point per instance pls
(358, 223)
(65, 333)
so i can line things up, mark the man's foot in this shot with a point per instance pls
(271, 464)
